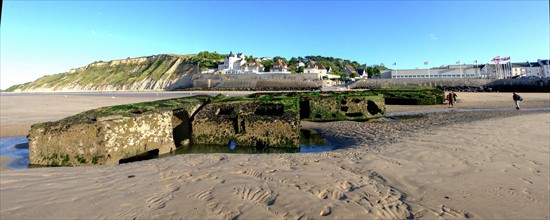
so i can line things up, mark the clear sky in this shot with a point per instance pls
(46, 37)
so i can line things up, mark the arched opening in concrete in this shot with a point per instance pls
(372, 108)
(181, 128)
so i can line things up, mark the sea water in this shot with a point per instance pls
(310, 141)
(17, 148)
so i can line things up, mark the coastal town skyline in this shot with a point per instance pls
(44, 38)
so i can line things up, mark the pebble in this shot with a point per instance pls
(325, 211)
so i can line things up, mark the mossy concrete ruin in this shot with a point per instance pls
(341, 106)
(248, 122)
(111, 135)
(335, 106)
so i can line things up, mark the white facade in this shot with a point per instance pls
(252, 67)
(541, 68)
(315, 67)
(465, 71)
(279, 67)
(232, 63)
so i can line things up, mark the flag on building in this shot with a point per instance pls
(394, 64)
(475, 61)
(458, 62)
(505, 59)
(425, 62)
(495, 59)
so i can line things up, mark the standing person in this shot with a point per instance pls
(454, 97)
(517, 99)
(450, 99)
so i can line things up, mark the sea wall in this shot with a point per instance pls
(463, 84)
(520, 85)
(256, 81)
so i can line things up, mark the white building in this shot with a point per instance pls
(279, 67)
(232, 63)
(252, 67)
(299, 63)
(541, 68)
(452, 71)
(315, 67)
(507, 70)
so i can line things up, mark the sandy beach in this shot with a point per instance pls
(451, 165)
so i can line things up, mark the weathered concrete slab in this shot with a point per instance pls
(107, 135)
(333, 106)
(248, 122)
(121, 133)
(341, 106)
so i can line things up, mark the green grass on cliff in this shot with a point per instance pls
(125, 72)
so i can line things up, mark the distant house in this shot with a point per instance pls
(253, 66)
(232, 63)
(348, 69)
(299, 63)
(363, 73)
(279, 67)
(315, 67)
(541, 68)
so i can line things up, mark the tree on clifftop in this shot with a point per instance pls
(267, 64)
(207, 60)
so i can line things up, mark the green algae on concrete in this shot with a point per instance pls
(248, 122)
(339, 108)
(109, 134)
(334, 106)
(411, 96)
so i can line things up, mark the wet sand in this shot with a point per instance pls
(4, 160)
(452, 165)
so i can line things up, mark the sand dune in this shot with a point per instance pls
(442, 166)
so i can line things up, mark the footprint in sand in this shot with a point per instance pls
(332, 193)
(534, 162)
(158, 200)
(392, 210)
(526, 181)
(451, 213)
(222, 211)
(205, 195)
(262, 176)
(534, 170)
(126, 214)
(346, 186)
(258, 195)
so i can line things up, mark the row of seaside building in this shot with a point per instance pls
(238, 64)
(538, 69)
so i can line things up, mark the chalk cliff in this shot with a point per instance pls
(158, 72)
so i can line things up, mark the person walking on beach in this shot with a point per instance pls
(517, 99)
(450, 99)
(454, 97)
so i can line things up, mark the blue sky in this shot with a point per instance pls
(46, 37)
